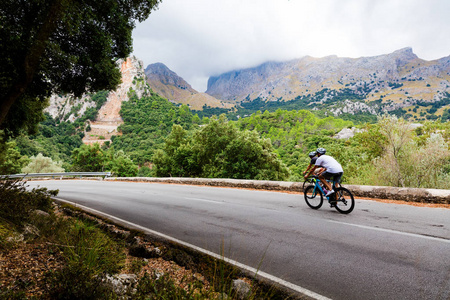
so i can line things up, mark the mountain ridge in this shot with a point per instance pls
(309, 74)
(390, 82)
(168, 84)
(398, 81)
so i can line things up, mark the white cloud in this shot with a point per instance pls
(201, 38)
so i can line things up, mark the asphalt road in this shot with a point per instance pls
(379, 251)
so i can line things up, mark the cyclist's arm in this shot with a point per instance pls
(311, 171)
(307, 169)
(320, 170)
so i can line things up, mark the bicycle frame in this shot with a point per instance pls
(317, 182)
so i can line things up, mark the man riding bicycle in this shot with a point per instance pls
(331, 170)
(313, 156)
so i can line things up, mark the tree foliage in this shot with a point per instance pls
(147, 121)
(60, 47)
(42, 164)
(92, 158)
(88, 158)
(218, 150)
(294, 134)
(11, 161)
(120, 164)
(408, 160)
(55, 139)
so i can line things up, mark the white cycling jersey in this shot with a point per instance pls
(329, 163)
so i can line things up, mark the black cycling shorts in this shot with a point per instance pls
(335, 176)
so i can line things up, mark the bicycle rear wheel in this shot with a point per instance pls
(345, 202)
(313, 197)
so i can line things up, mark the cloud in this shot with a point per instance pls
(201, 38)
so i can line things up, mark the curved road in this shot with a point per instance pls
(379, 251)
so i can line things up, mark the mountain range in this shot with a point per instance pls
(397, 82)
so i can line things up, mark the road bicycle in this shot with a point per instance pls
(310, 180)
(342, 199)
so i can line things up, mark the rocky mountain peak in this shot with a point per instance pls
(161, 73)
(168, 84)
(403, 56)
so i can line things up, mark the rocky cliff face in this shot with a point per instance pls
(396, 79)
(168, 84)
(108, 118)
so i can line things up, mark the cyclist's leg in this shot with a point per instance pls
(323, 178)
(337, 179)
(336, 184)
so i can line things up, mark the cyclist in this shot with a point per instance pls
(313, 157)
(331, 170)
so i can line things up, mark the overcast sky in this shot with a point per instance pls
(202, 38)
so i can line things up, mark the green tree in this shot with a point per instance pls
(120, 164)
(88, 158)
(42, 164)
(92, 158)
(218, 150)
(60, 47)
(178, 157)
(11, 161)
(408, 160)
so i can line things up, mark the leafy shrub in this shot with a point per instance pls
(11, 161)
(42, 164)
(17, 203)
(88, 158)
(145, 171)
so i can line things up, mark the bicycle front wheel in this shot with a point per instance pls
(306, 183)
(313, 197)
(345, 202)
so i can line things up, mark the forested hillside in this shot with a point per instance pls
(159, 138)
(294, 133)
(147, 121)
(57, 137)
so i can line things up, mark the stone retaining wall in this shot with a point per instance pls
(364, 191)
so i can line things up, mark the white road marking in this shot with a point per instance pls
(205, 200)
(257, 272)
(394, 231)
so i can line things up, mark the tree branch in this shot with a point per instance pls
(33, 57)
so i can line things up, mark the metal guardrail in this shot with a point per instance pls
(53, 175)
